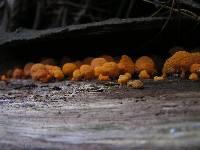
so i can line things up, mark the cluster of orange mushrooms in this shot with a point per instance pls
(105, 68)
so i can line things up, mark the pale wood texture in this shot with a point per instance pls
(94, 115)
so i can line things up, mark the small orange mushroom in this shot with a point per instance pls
(18, 73)
(195, 68)
(172, 64)
(136, 84)
(145, 66)
(181, 62)
(108, 69)
(144, 75)
(187, 62)
(69, 68)
(194, 77)
(87, 72)
(123, 79)
(97, 62)
(126, 64)
(77, 75)
(27, 69)
(57, 73)
(103, 78)
(128, 75)
(159, 78)
(41, 73)
(4, 78)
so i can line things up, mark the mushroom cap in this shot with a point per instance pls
(27, 69)
(136, 84)
(126, 65)
(194, 77)
(41, 73)
(144, 75)
(145, 63)
(172, 64)
(87, 72)
(18, 73)
(195, 68)
(77, 75)
(97, 62)
(69, 68)
(108, 69)
(186, 62)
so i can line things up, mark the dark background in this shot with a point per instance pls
(28, 28)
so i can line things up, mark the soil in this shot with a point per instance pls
(99, 115)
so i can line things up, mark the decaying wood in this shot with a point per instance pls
(99, 115)
(97, 28)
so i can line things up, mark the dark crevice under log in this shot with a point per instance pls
(113, 36)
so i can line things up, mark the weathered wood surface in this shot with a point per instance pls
(92, 115)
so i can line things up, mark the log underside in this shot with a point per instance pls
(99, 115)
(135, 37)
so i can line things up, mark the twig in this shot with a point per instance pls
(170, 15)
(161, 8)
(122, 4)
(82, 11)
(130, 8)
(37, 15)
(194, 16)
(5, 22)
(63, 22)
